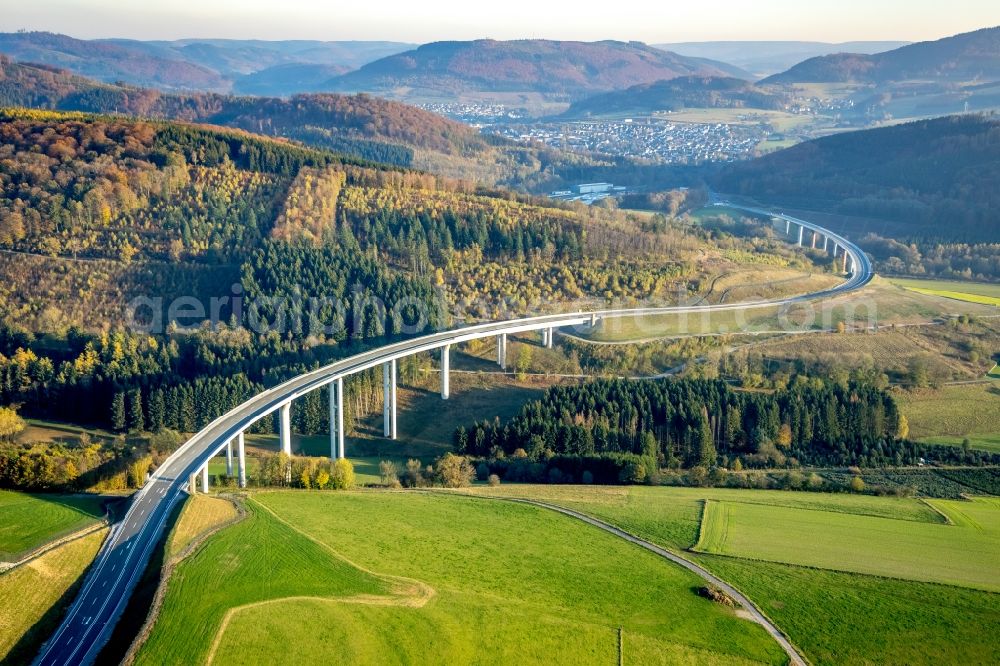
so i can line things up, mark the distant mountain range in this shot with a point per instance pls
(571, 69)
(214, 65)
(971, 56)
(679, 93)
(765, 58)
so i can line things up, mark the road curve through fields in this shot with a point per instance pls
(755, 613)
(126, 551)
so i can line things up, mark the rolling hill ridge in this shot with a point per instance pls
(533, 65)
(966, 57)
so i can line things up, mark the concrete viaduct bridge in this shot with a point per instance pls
(130, 543)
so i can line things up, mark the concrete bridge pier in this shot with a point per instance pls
(593, 320)
(844, 267)
(229, 457)
(285, 428)
(241, 460)
(193, 484)
(502, 351)
(802, 230)
(826, 241)
(204, 478)
(337, 419)
(549, 335)
(814, 240)
(788, 227)
(445, 371)
(389, 398)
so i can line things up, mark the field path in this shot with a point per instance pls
(755, 613)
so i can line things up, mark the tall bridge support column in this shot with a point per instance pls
(445, 371)
(593, 320)
(340, 446)
(285, 428)
(802, 230)
(814, 240)
(241, 460)
(389, 398)
(844, 267)
(788, 227)
(549, 335)
(229, 458)
(392, 385)
(204, 478)
(826, 241)
(502, 351)
(193, 484)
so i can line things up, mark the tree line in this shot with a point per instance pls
(702, 423)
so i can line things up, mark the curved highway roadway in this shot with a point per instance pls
(127, 549)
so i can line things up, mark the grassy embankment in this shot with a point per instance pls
(33, 595)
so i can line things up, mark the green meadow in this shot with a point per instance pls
(833, 616)
(963, 553)
(407, 577)
(28, 521)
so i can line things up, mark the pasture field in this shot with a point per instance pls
(943, 349)
(671, 516)
(963, 554)
(29, 595)
(389, 577)
(28, 521)
(983, 442)
(834, 617)
(972, 292)
(952, 413)
(845, 618)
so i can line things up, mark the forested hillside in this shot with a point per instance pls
(679, 93)
(365, 126)
(972, 56)
(530, 65)
(98, 211)
(936, 179)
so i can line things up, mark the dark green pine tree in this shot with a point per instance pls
(135, 418)
(118, 412)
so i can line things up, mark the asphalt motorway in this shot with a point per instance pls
(123, 557)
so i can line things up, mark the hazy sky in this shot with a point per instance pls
(429, 20)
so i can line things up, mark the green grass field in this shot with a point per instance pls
(972, 292)
(964, 554)
(844, 618)
(418, 578)
(27, 521)
(951, 414)
(834, 617)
